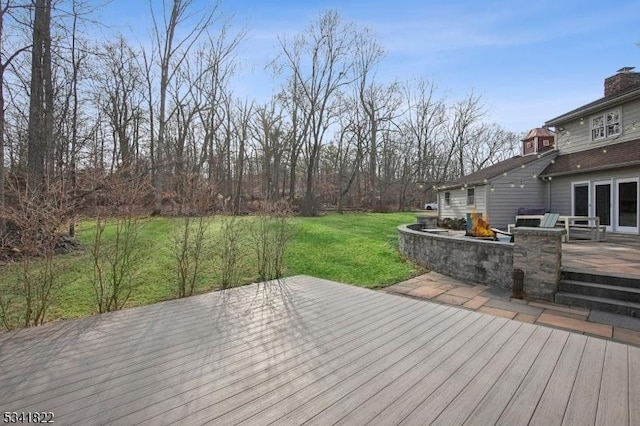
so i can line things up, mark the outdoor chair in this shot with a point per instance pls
(549, 220)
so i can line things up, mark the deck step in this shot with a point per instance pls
(628, 294)
(620, 307)
(619, 280)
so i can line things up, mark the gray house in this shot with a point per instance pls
(498, 191)
(597, 170)
(593, 170)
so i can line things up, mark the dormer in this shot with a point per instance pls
(538, 140)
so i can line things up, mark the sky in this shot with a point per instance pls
(530, 61)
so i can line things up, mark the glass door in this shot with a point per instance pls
(627, 205)
(580, 200)
(603, 202)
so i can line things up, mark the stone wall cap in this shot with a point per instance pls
(523, 230)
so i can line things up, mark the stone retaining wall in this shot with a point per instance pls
(472, 261)
(536, 251)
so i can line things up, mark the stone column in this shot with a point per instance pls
(538, 252)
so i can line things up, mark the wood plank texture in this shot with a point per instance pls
(308, 350)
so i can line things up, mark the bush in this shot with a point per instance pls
(457, 224)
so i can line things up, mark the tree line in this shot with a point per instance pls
(78, 110)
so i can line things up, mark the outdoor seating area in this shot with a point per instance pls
(573, 225)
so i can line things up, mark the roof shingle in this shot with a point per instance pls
(612, 156)
(495, 170)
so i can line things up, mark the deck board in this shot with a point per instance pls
(634, 386)
(313, 351)
(613, 401)
(434, 404)
(499, 393)
(525, 399)
(583, 403)
(553, 403)
(457, 411)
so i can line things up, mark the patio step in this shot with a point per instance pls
(620, 307)
(606, 291)
(600, 278)
(615, 293)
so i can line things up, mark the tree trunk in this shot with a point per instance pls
(37, 138)
(239, 174)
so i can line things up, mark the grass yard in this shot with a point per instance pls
(355, 248)
(358, 249)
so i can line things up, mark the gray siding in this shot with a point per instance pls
(504, 200)
(458, 207)
(560, 194)
(577, 137)
(501, 204)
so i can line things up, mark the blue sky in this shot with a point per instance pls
(529, 60)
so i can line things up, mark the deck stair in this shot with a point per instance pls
(603, 292)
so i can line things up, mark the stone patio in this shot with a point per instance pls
(442, 289)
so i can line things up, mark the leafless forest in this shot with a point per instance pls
(158, 121)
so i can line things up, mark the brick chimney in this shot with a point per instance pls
(624, 81)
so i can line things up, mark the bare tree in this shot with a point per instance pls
(465, 114)
(242, 123)
(269, 137)
(291, 98)
(214, 64)
(118, 85)
(379, 102)
(172, 49)
(489, 144)
(422, 128)
(5, 61)
(319, 62)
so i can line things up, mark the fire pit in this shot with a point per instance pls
(477, 227)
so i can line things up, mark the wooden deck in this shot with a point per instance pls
(315, 351)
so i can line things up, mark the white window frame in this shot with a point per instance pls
(604, 126)
(472, 197)
(546, 142)
(447, 199)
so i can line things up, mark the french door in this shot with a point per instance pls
(580, 201)
(626, 205)
(603, 202)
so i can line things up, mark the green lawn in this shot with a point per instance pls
(359, 249)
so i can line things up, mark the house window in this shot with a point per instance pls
(471, 196)
(447, 199)
(605, 125)
(545, 142)
(529, 145)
